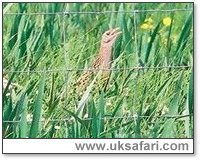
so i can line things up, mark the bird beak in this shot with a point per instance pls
(116, 31)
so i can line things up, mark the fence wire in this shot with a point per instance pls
(134, 117)
(111, 69)
(99, 12)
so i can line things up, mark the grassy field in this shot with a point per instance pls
(42, 41)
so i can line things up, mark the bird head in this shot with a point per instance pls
(110, 36)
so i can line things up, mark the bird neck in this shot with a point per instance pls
(106, 55)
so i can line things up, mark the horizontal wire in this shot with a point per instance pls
(108, 118)
(97, 12)
(111, 69)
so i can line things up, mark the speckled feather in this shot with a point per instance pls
(103, 61)
(87, 76)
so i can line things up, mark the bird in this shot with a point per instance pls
(102, 62)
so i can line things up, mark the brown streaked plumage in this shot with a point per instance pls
(102, 62)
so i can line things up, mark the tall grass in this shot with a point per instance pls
(145, 103)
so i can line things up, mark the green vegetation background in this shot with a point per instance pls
(41, 41)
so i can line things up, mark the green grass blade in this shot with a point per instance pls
(23, 121)
(34, 131)
(101, 108)
(94, 131)
(119, 23)
(185, 33)
(190, 94)
(150, 44)
(169, 45)
(139, 115)
(74, 115)
(112, 17)
(169, 126)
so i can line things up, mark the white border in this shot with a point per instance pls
(109, 145)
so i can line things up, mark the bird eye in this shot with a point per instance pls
(108, 33)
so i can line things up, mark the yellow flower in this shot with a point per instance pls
(146, 26)
(149, 20)
(167, 21)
